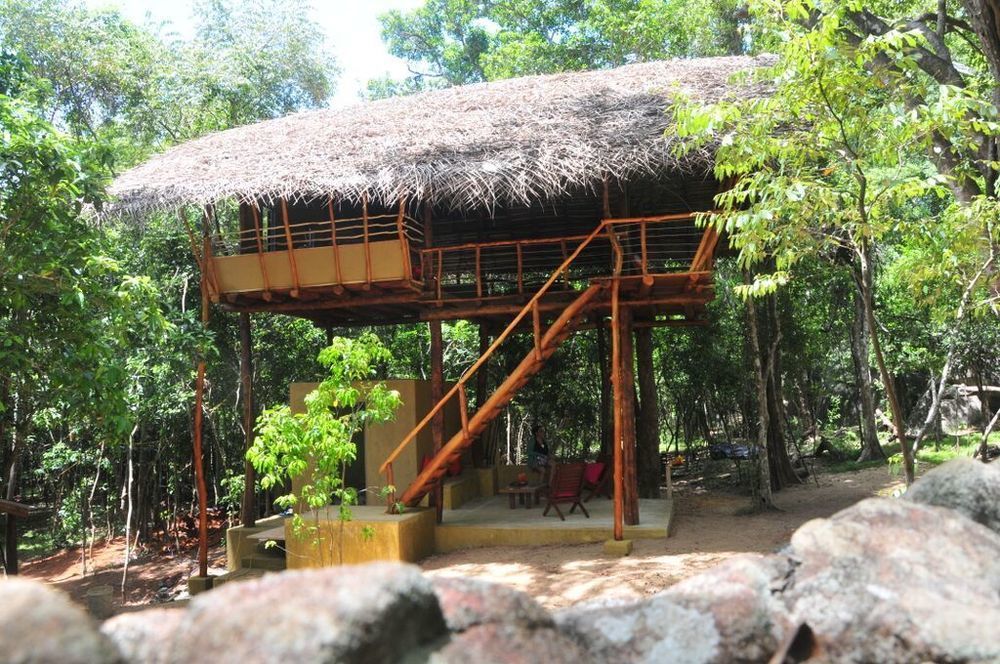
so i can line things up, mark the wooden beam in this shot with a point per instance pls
(291, 249)
(404, 242)
(335, 248)
(12, 508)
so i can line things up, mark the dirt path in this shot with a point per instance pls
(708, 528)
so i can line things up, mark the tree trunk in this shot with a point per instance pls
(647, 425)
(781, 470)
(871, 449)
(866, 284)
(984, 409)
(760, 484)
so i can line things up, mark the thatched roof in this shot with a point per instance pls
(514, 141)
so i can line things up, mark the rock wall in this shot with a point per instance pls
(885, 580)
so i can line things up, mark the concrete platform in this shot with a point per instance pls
(491, 522)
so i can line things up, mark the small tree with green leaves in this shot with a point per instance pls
(317, 445)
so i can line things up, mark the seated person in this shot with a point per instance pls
(538, 452)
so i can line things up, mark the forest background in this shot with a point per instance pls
(864, 224)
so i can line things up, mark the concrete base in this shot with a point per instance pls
(491, 522)
(239, 541)
(617, 548)
(370, 535)
(199, 584)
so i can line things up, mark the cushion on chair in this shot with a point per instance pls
(592, 473)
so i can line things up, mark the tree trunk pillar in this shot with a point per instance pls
(648, 429)
(630, 497)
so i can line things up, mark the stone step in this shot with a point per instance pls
(271, 559)
(242, 574)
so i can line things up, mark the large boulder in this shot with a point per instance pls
(512, 643)
(380, 612)
(470, 602)
(741, 596)
(144, 636)
(965, 485)
(40, 624)
(656, 630)
(896, 581)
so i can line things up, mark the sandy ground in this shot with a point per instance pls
(709, 526)
(153, 576)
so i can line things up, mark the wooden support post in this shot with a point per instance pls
(605, 198)
(565, 274)
(368, 247)
(616, 380)
(520, 269)
(255, 213)
(199, 469)
(437, 392)
(291, 249)
(630, 494)
(404, 243)
(482, 384)
(440, 273)
(339, 288)
(479, 274)
(248, 507)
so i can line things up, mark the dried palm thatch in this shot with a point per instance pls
(508, 142)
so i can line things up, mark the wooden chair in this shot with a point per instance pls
(597, 480)
(566, 486)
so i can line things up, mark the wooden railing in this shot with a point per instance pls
(489, 270)
(606, 228)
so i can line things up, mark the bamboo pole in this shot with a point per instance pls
(291, 249)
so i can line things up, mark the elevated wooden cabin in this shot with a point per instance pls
(536, 205)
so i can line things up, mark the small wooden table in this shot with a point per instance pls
(526, 493)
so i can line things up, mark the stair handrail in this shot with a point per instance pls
(529, 306)
(468, 373)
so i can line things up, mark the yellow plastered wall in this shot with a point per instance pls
(381, 439)
(315, 266)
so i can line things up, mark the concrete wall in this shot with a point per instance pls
(381, 439)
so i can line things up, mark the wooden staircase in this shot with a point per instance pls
(545, 346)
(546, 343)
